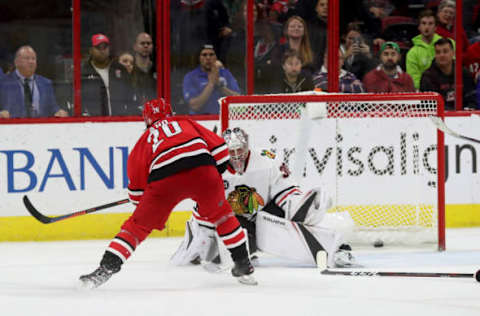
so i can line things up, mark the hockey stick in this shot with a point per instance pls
(398, 274)
(440, 124)
(48, 220)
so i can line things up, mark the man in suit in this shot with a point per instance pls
(26, 94)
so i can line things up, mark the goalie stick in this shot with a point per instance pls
(440, 124)
(397, 274)
(48, 220)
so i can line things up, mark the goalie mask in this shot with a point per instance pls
(237, 142)
(156, 109)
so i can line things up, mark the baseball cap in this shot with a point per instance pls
(98, 39)
(390, 45)
(207, 46)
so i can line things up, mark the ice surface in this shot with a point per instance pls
(40, 278)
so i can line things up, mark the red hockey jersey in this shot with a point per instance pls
(471, 59)
(170, 146)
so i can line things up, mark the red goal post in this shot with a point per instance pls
(378, 154)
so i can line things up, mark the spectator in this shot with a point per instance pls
(440, 77)
(126, 59)
(293, 80)
(478, 94)
(297, 38)
(106, 88)
(2, 75)
(263, 53)
(23, 93)
(475, 21)
(236, 59)
(203, 86)
(317, 27)
(358, 56)
(311, 9)
(446, 22)
(282, 10)
(374, 12)
(348, 82)
(219, 30)
(420, 56)
(388, 76)
(379, 8)
(188, 33)
(471, 60)
(144, 74)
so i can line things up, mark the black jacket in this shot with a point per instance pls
(304, 83)
(94, 92)
(144, 84)
(433, 79)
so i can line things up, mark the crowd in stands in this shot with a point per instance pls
(383, 49)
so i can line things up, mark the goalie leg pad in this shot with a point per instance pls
(295, 241)
(199, 242)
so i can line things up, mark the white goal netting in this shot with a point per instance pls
(376, 154)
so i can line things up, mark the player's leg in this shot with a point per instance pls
(214, 208)
(152, 213)
(200, 245)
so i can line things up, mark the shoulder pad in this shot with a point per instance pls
(268, 154)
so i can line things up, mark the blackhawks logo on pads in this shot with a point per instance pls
(268, 153)
(245, 200)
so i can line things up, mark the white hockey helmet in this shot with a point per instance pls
(237, 142)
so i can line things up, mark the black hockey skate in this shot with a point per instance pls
(96, 278)
(243, 271)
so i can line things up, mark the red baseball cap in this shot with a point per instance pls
(98, 39)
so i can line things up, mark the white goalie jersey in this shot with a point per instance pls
(267, 183)
(263, 180)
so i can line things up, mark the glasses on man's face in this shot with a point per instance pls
(207, 54)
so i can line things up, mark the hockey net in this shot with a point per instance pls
(377, 155)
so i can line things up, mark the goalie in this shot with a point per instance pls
(279, 218)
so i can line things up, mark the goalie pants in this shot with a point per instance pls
(202, 184)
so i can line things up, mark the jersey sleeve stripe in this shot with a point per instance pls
(134, 195)
(219, 149)
(135, 192)
(177, 157)
(179, 165)
(223, 160)
(191, 142)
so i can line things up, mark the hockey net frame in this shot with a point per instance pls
(288, 107)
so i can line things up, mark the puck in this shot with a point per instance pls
(477, 276)
(378, 243)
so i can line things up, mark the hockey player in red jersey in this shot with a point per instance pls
(174, 159)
